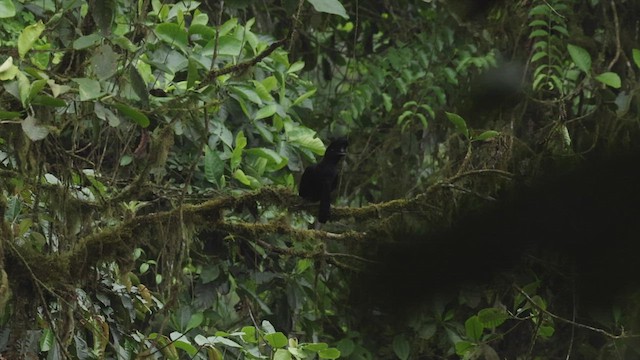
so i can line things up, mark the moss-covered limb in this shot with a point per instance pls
(255, 230)
(418, 202)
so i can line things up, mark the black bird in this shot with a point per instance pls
(319, 180)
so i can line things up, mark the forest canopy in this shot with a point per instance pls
(150, 154)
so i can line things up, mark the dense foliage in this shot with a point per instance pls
(149, 153)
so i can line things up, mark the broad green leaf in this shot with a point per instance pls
(89, 88)
(315, 347)
(610, 79)
(9, 115)
(247, 93)
(401, 347)
(201, 32)
(103, 13)
(46, 340)
(124, 43)
(36, 87)
(463, 347)
(636, 57)
(265, 112)
(387, 102)
(329, 7)
(249, 335)
(330, 353)
(473, 328)
(7, 9)
(282, 354)
(546, 331)
(134, 114)
(34, 131)
(460, 124)
(182, 344)
(8, 71)
(275, 161)
(262, 91)
(105, 114)
(84, 42)
(305, 138)
(213, 166)
(28, 37)
(57, 89)
(489, 134)
(276, 340)
(297, 352)
(304, 97)
(227, 46)
(236, 155)
(174, 35)
(492, 317)
(46, 100)
(580, 57)
(270, 83)
(138, 85)
(195, 320)
(104, 62)
(24, 88)
(295, 67)
(346, 347)
(240, 176)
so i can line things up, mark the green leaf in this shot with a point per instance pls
(249, 335)
(295, 67)
(265, 112)
(580, 57)
(315, 347)
(174, 35)
(282, 354)
(9, 115)
(7, 9)
(636, 57)
(276, 340)
(463, 347)
(329, 7)
(330, 353)
(304, 97)
(7, 70)
(305, 138)
(24, 88)
(346, 347)
(84, 42)
(460, 124)
(240, 176)
(104, 62)
(489, 134)
(138, 85)
(213, 166)
(387, 102)
(195, 320)
(46, 100)
(34, 131)
(473, 328)
(89, 88)
(401, 347)
(275, 161)
(546, 331)
(103, 13)
(28, 37)
(492, 317)
(610, 79)
(134, 114)
(46, 340)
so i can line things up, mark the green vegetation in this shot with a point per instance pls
(149, 152)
